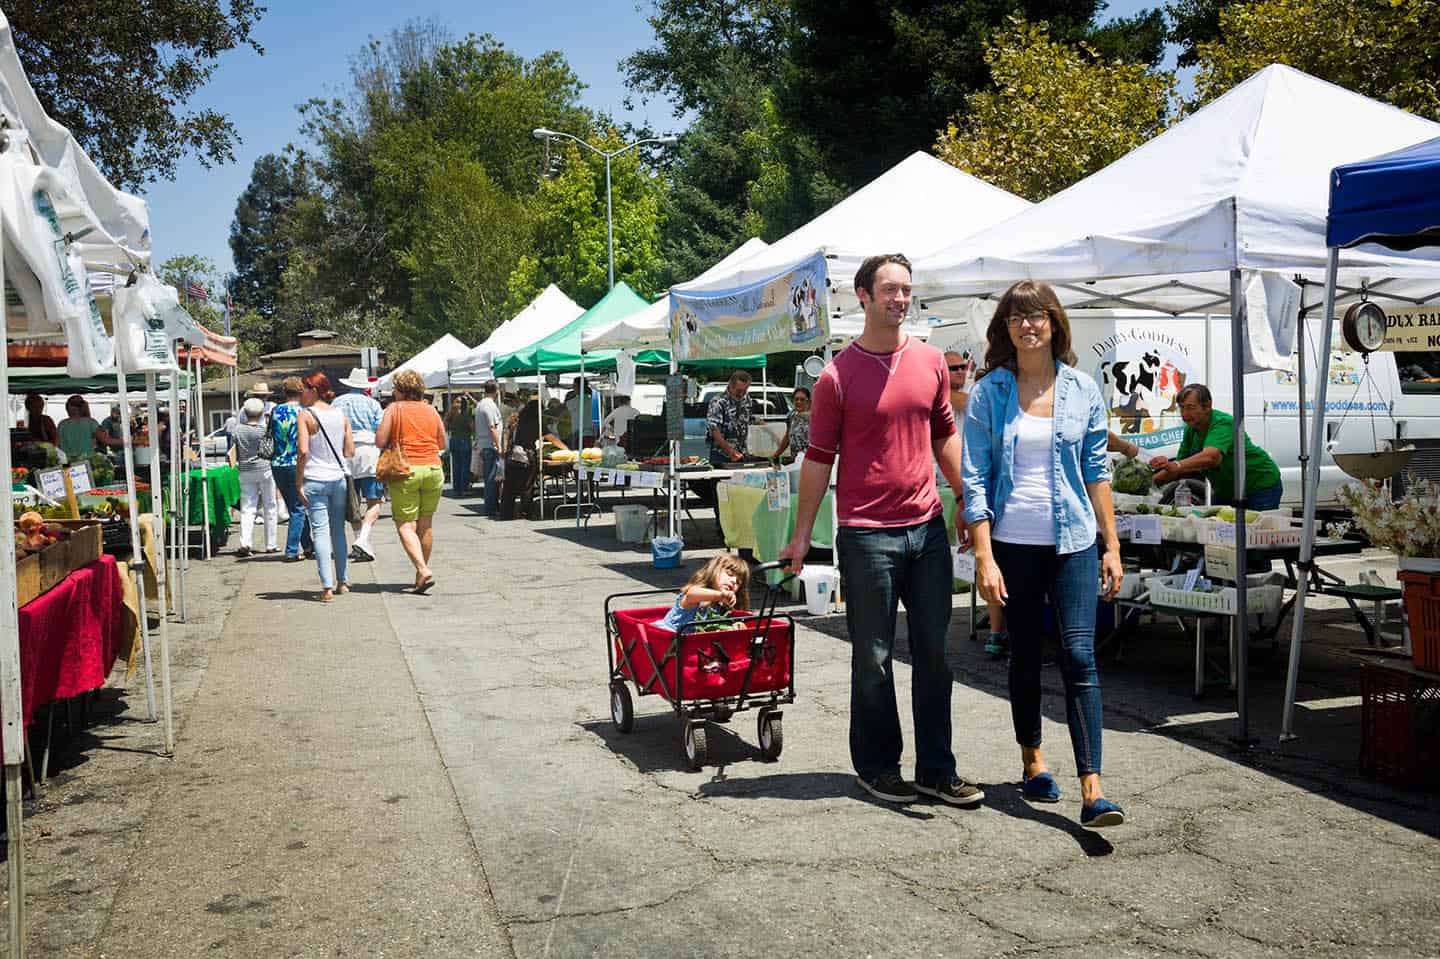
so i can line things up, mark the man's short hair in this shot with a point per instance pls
(739, 376)
(491, 387)
(865, 276)
(1199, 390)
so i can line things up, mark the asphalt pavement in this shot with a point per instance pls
(438, 775)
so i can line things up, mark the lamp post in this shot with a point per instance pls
(541, 133)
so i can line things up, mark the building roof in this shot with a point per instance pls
(312, 351)
(317, 334)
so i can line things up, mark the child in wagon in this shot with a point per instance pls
(710, 594)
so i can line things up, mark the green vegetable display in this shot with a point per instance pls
(1133, 477)
(102, 472)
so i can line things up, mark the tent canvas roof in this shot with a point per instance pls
(1392, 200)
(1239, 184)
(544, 315)
(561, 349)
(916, 207)
(430, 363)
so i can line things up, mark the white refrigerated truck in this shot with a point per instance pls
(1142, 360)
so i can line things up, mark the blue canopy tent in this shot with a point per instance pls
(1392, 201)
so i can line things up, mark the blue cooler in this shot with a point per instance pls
(665, 551)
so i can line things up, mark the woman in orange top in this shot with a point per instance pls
(418, 429)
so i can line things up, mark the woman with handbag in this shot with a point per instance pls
(411, 434)
(322, 482)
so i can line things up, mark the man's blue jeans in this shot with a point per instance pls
(883, 567)
(1071, 582)
(490, 478)
(297, 532)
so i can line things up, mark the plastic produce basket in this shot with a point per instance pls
(1422, 611)
(1399, 726)
(1168, 591)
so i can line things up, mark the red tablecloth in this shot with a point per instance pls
(69, 636)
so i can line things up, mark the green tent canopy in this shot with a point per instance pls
(560, 351)
(54, 381)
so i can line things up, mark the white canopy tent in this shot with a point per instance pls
(916, 207)
(1176, 225)
(552, 310)
(432, 363)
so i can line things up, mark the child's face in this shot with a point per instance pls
(727, 580)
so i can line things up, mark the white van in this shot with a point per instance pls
(1142, 360)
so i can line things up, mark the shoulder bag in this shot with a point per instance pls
(266, 449)
(392, 467)
(353, 509)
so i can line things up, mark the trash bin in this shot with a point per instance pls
(630, 522)
(818, 583)
(665, 551)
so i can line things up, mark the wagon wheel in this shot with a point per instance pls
(722, 714)
(622, 709)
(771, 735)
(697, 745)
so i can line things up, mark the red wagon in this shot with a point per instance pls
(708, 671)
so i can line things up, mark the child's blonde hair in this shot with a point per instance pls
(708, 574)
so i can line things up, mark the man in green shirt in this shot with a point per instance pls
(1208, 449)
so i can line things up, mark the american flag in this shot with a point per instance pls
(193, 288)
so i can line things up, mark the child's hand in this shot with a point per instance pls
(727, 598)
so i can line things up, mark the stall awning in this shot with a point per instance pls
(1392, 200)
(52, 381)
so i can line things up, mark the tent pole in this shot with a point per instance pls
(204, 464)
(12, 732)
(1300, 389)
(1240, 623)
(137, 553)
(581, 414)
(1311, 488)
(177, 472)
(676, 495)
(162, 581)
(540, 432)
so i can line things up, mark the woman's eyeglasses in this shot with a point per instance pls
(1038, 318)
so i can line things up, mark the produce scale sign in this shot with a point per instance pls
(783, 312)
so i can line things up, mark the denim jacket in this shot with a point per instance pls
(987, 465)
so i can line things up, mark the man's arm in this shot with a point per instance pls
(1194, 465)
(814, 480)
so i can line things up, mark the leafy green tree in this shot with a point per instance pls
(1370, 46)
(1191, 23)
(570, 236)
(261, 242)
(1056, 113)
(871, 82)
(118, 73)
(472, 236)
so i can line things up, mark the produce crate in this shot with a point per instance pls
(1400, 726)
(1255, 535)
(54, 564)
(1167, 591)
(27, 579)
(86, 540)
(1126, 502)
(1422, 612)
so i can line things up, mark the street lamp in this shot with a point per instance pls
(541, 133)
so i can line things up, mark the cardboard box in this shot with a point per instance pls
(85, 541)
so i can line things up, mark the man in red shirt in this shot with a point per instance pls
(883, 409)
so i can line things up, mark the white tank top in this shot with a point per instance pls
(1028, 518)
(323, 463)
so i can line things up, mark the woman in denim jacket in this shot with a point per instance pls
(1037, 493)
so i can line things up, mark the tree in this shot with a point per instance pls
(261, 242)
(1193, 22)
(872, 82)
(119, 72)
(1056, 113)
(570, 236)
(460, 263)
(1370, 46)
(180, 271)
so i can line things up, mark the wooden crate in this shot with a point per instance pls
(54, 565)
(85, 540)
(27, 578)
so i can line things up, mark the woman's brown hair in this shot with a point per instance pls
(320, 383)
(1027, 296)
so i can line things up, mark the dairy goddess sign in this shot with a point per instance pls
(784, 312)
(1140, 368)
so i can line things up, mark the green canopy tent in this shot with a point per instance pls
(54, 381)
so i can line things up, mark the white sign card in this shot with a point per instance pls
(777, 492)
(964, 566)
(647, 480)
(1191, 578)
(80, 480)
(1225, 534)
(1145, 530)
(52, 483)
(1123, 524)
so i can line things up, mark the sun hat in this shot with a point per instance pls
(358, 379)
(259, 389)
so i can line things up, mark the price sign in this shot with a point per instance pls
(52, 483)
(80, 480)
(583, 472)
(777, 492)
(1224, 534)
(964, 566)
(1122, 525)
(1145, 530)
(645, 480)
(1191, 578)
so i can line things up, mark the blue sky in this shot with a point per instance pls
(308, 45)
